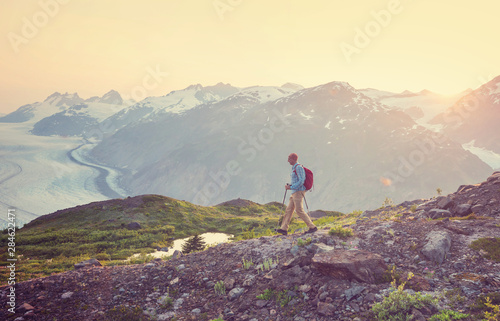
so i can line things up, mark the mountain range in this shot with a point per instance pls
(210, 144)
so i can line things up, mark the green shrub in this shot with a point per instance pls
(220, 288)
(103, 256)
(448, 315)
(492, 316)
(490, 245)
(398, 304)
(247, 264)
(302, 242)
(281, 297)
(166, 302)
(340, 232)
(266, 265)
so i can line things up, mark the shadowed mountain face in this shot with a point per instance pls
(360, 151)
(475, 117)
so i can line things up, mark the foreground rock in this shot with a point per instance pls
(361, 266)
(87, 263)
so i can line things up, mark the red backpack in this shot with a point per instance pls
(309, 182)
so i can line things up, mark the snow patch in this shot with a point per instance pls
(489, 157)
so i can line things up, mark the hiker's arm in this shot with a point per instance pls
(301, 174)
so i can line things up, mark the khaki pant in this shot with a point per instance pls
(296, 203)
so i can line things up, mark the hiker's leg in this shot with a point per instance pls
(298, 199)
(288, 214)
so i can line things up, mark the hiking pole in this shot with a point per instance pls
(306, 205)
(281, 212)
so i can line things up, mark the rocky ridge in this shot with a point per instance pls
(312, 277)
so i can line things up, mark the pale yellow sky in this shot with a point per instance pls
(152, 47)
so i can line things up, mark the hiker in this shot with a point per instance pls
(296, 200)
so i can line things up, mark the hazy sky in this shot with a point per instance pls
(155, 46)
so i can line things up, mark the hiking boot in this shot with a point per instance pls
(281, 231)
(311, 230)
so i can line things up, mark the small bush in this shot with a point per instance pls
(340, 232)
(448, 315)
(490, 245)
(398, 304)
(266, 265)
(302, 242)
(103, 256)
(247, 264)
(220, 288)
(281, 297)
(492, 316)
(166, 302)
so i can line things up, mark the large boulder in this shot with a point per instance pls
(437, 246)
(436, 213)
(133, 226)
(445, 203)
(87, 263)
(361, 266)
(463, 209)
(494, 178)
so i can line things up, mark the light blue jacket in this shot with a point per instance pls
(298, 177)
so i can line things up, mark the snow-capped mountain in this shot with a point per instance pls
(34, 112)
(421, 106)
(112, 97)
(80, 118)
(180, 101)
(360, 150)
(474, 119)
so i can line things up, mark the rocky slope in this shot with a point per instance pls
(313, 277)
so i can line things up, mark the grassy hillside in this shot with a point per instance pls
(54, 242)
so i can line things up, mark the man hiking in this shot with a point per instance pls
(298, 190)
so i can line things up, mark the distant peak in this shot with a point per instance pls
(194, 87)
(62, 98)
(111, 92)
(292, 86)
(335, 85)
(112, 97)
(54, 95)
(426, 92)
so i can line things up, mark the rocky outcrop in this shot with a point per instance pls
(361, 266)
(437, 246)
(479, 199)
(87, 263)
(133, 226)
